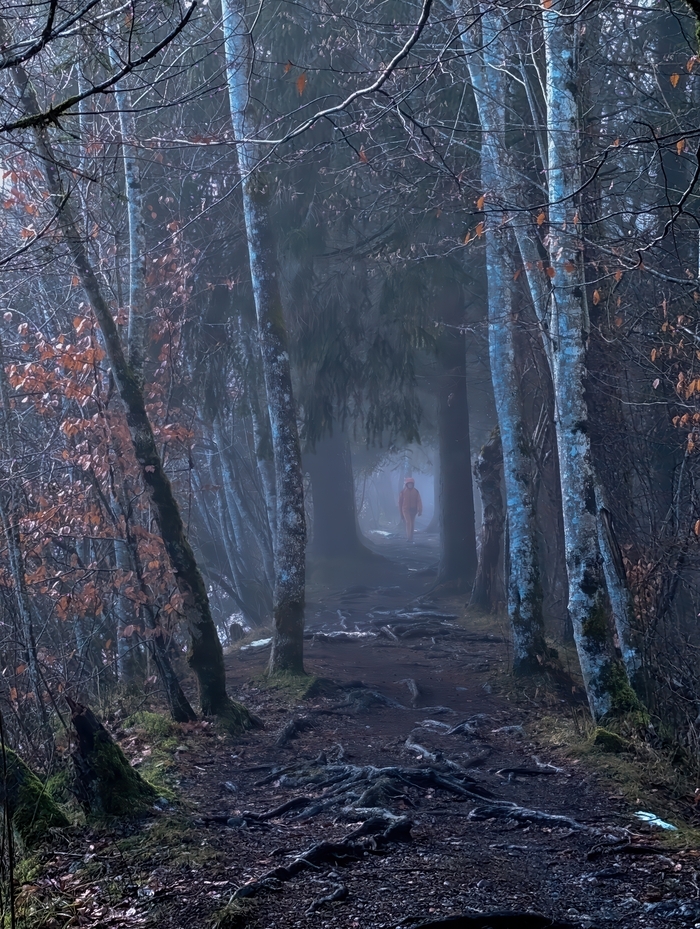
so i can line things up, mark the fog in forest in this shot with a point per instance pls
(349, 464)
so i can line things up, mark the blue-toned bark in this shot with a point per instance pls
(523, 583)
(290, 541)
(589, 598)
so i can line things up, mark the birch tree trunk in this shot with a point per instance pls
(604, 676)
(287, 653)
(138, 319)
(523, 583)
(205, 654)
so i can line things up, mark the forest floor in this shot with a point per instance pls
(430, 702)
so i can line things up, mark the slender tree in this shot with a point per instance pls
(287, 653)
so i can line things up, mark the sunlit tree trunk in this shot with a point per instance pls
(523, 582)
(287, 653)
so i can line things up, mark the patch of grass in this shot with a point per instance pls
(234, 915)
(294, 686)
(646, 776)
(174, 839)
(152, 726)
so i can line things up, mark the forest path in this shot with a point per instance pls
(466, 855)
(248, 808)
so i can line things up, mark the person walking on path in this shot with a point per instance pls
(410, 506)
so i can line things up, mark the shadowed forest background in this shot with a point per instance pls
(260, 263)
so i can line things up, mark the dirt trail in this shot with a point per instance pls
(566, 849)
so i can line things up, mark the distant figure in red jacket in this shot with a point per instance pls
(410, 505)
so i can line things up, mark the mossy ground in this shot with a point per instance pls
(295, 687)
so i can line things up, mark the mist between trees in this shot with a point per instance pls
(259, 261)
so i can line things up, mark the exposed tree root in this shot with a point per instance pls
(340, 892)
(505, 810)
(293, 728)
(355, 846)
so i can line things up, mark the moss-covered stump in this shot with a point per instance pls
(610, 742)
(235, 719)
(106, 784)
(30, 806)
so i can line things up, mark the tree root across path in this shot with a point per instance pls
(371, 836)
(364, 786)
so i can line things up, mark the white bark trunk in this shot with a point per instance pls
(589, 602)
(290, 549)
(524, 589)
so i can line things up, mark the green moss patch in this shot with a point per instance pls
(611, 742)
(33, 810)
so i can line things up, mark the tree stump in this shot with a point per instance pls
(105, 783)
(24, 798)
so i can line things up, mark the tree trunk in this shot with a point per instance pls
(24, 797)
(457, 531)
(336, 533)
(488, 590)
(138, 320)
(604, 677)
(287, 654)
(206, 654)
(524, 585)
(434, 524)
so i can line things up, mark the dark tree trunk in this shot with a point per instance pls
(458, 539)
(488, 590)
(434, 524)
(336, 532)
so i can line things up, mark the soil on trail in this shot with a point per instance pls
(468, 814)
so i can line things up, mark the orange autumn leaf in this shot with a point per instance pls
(541, 218)
(618, 276)
(288, 67)
(300, 83)
(362, 156)
(549, 270)
(596, 297)
(674, 79)
(480, 203)
(479, 230)
(680, 146)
